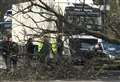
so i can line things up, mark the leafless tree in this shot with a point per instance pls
(48, 13)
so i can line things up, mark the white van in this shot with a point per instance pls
(81, 42)
(80, 46)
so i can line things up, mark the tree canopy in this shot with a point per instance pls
(112, 27)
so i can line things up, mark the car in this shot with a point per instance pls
(112, 50)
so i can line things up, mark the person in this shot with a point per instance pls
(13, 54)
(98, 47)
(5, 51)
(30, 46)
(9, 52)
(30, 50)
(59, 49)
(45, 50)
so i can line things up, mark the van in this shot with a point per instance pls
(78, 47)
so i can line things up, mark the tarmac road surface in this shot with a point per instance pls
(62, 81)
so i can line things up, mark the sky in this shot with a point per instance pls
(86, 1)
(76, 1)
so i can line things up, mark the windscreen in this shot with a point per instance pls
(78, 44)
(111, 46)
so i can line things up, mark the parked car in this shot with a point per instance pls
(112, 50)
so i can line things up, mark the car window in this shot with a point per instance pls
(85, 45)
(77, 43)
(111, 46)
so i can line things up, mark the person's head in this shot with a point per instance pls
(30, 40)
(98, 46)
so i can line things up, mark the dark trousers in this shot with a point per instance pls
(13, 61)
(10, 61)
(29, 58)
(59, 58)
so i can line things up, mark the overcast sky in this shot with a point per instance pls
(76, 1)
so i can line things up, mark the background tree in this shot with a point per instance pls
(6, 5)
(48, 13)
